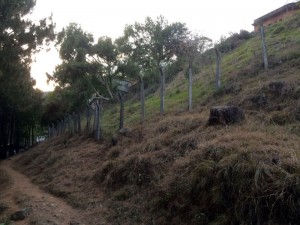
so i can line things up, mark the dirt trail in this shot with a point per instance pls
(46, 209)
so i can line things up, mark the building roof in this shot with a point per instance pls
(276, 12)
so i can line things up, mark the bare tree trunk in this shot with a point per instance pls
(12, 130)
(65, 124)
(74, 123)
(97, 120)
(218, 68)
(58, 127)
(162, 91)
(79, 121)
(190, 87)
(121, 125)
(53, 130)
(108, 89)
(264, 47)
(49, 132)
(142, 99)
(32, 134)
(69, 123)
(28, 136)
(88, 119)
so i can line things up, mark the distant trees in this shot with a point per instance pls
(155, 43)
(19, 102)
(73, 75)
(104, 61)
(144, 51)
(225, 45)
(86, 68)
(193, 46)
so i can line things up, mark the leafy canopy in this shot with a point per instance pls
(20, 38)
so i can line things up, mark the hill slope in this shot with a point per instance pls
(177, 170)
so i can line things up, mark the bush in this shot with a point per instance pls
(228, 44)
(278, 29)
(281, 117)
(235, 189)
(132, 171)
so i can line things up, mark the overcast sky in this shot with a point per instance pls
(212, 18)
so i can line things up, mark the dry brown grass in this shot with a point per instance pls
(4, 180)
(177, 171)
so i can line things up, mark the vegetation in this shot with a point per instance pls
(5, 182)
(176, 169)
(144, 51)
(19, 102)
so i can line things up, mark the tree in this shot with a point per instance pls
(134, 64)
(193, 46)
(104, 61)
(20, 38)
(129, 68)
(87, 68)
(160, 43)
(74, 75)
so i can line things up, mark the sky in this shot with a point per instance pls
(212, 18)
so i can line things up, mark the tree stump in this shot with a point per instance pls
(225, 115)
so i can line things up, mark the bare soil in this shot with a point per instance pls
(46, 208)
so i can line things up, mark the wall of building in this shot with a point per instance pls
(276, 19)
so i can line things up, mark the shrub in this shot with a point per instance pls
(131, 171)
(281, 117)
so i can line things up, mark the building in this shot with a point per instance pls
(276, 15)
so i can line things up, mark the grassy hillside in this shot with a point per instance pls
(177, 170)
(242, 75)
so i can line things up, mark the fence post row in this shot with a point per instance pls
(74, 121)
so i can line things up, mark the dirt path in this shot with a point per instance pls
(46, 209)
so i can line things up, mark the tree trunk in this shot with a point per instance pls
(69, 123)
(88, 119)
(79, 122)
(190, 87)
(97, 120)
(264, 47)
(142, 99)
(121, 125)
(12, 130)
(32, 134)
(218, 68)
(162, 91)
(108, 89)
(74, 123)
(28, 136)
(65, 124)
(58, 126)
(53, 130)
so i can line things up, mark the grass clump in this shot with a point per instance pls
(235, 190)
(120, 173)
